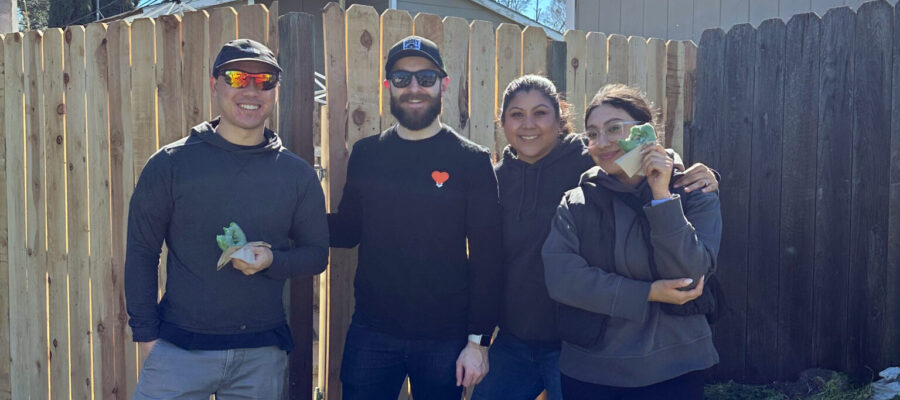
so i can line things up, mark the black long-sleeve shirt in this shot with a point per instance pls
(411, 206)
(187, 192)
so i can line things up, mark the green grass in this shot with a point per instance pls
(837, 388)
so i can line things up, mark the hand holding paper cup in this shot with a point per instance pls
(234, 245)
(631, 161)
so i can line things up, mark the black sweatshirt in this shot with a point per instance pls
(187, 192)
(529, 196)
(410, 206)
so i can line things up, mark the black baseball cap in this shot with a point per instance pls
(244, 50)
(414, 46)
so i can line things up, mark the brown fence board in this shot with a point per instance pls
(575, 74)
(222, 28)
(143, 92)
(763, 302)
(869, 184)
(335, 153)
(106, 346)
(57, 267)
(481, 84)
(455, 54)
(617, 53)
(253, 23)
(892, 298)
(169, 80)
(429, 26)
(22, 373)
(508, 67)
(832, 229)
(637, 62)
(395, 25)
(595, 74)
(656, 75)
(690, 84)
(798, 194)
(362, 72)
(195, 72)
(35, 209)
(121, 137)
(78, 223)
(296, 104)
(674, 97)
(534, 50)
(5, 333)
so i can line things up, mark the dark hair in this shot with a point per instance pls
(543, 86)
(627, 98)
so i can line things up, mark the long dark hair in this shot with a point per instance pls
(627, 98)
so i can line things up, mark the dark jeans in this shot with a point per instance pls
(519, 371)
(375, 364)
(688, 387)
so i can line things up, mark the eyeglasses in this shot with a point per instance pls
(240, 79)
(612, 130)
(425, 77)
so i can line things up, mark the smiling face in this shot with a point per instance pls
(416, 106)
(531, 125)
(604, 147)
(245, 108)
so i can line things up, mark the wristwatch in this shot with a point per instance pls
(481, 340)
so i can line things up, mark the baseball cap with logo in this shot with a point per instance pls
(414, 46)
(244, 50)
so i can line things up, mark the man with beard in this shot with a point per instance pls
(421, 202)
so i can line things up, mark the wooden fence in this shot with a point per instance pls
(803, 121)
(83, 108)
(480, 61)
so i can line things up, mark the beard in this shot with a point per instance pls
(416, 120)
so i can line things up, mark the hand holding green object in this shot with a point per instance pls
(233, 236)
(640, 134)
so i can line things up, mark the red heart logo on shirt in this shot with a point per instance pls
(440, 177)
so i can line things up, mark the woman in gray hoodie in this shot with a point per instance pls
(542, 161)
(619, 247)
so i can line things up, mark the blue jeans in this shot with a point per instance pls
(375, 364)
(170, 372)
(519, 371)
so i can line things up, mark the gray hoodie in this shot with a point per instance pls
(642, 345)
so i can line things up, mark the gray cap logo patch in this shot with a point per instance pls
(412, 44)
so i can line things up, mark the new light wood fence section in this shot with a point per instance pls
(480, 60)
(83, 109)
(803, 121)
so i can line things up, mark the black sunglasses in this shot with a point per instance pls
(425, 77)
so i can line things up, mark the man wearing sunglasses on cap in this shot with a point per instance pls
(222, 331)
(416, 195)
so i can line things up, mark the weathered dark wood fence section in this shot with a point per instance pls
(803, 121)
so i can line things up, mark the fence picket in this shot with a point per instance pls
(395, 25)
(595, 73)
(83, 384)
(798, 194)
(871, 111)
(195, 72)
(765, 194)
(637, 62)
(5, 312)
(534, 51)
(481, 84)
(338, 298)
(617, 52)
(892, 300)
(455, 55)
(656, 75)
(222, 28)
(575, 74)
(689, 85)
(170, 121)
(362, 73)
(508, 68)
(55, 175)
(429, 26)
(35, 209)
(674, 97)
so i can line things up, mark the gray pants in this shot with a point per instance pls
(171, 372)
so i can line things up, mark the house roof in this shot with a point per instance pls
(175, 8)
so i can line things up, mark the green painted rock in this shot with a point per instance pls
(640, 134)
(233, 236)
